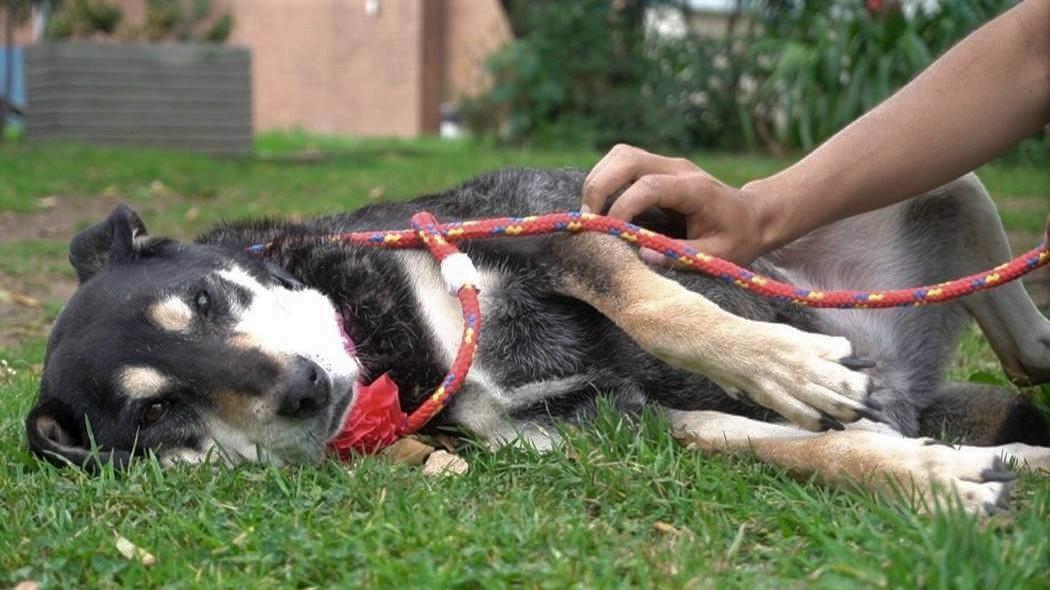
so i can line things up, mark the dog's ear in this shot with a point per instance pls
(52, 436)
(111, 241)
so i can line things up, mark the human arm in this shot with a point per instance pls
(985, 94)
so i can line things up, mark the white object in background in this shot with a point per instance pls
(372, 7)
(451, 121)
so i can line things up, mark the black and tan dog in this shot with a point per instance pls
(197, 350)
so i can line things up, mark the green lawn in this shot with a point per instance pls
(621, 505)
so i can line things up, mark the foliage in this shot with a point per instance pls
(832, 60)
(586, 71)
(165, 20)
(174, 19)
(786, 74)
(84, 19)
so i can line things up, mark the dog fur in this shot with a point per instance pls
(197, 350)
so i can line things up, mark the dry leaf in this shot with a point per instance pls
(242, 538)
(19, 299)
(408, 450)
(376, 193)
(664, 528)
(444, 463)
(157, 188)
(193, 213)
(132, 551)
(47, 202)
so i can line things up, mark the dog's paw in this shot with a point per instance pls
(934, 475)
(811, 379)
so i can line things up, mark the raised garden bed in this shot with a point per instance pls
(179, 96)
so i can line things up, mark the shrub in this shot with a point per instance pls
(584, 71)
(179, 20)
(832, 60)
(587, 72)
(84, 19)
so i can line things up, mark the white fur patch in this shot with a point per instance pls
(142, 382)
(441, 311)
(172, 314)
(481, 407)
(282, 323)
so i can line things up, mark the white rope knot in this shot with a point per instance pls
(457, 270)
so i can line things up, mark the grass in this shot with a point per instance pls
(621, 505)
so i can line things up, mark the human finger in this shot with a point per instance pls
(681, 193)
(623, 165)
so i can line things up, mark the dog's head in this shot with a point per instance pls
(184, 349)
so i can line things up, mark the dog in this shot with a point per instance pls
(195, 350)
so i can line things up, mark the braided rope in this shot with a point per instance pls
(461, 278)
(467, 292)
(707, 264)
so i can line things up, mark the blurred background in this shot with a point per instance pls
(199, 110)
(757, 75)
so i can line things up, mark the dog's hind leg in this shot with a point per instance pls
(797, 374)
(950, 232)
(984, 415)
(924, 472)
(1018, 333)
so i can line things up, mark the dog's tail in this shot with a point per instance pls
(981, 414)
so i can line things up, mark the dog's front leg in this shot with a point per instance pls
(926, 473)
(797, 374)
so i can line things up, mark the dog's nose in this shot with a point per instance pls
(304, 390)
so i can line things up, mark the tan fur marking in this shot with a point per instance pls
(142, 382)
(51, 430)
(172, 314)
(243, 341)
(795, 373)
(242, 409)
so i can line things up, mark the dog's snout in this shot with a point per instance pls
(304, 390)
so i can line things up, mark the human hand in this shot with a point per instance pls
(720, 220)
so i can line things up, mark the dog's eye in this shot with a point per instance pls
(154, 412)
(202, 302)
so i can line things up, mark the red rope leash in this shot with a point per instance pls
(378, 406)
(461, 278)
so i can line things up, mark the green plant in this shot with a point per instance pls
(178, 20)
(829, 61)
(587, 72)
(182, 21)
(84, 19)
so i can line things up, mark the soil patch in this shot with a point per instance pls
(55, 217)
(27, 308)
(28, 303)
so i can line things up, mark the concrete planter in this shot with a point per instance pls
(177, 96)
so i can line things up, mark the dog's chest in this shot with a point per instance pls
(522, 360)
(440, 311)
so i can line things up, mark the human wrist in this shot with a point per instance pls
(768, 208)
